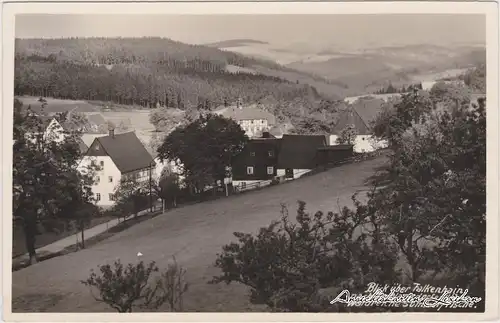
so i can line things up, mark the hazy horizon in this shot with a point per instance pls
(308, 31)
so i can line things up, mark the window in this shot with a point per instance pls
(270, 153)
(110, 179)
(111, 197)
(250, 170)
(252, 153)
(101, 163)
(96, 147)
(98, 196)
(270, 170)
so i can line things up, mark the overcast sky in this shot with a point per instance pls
(314, 30)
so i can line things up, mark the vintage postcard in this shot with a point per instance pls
(257, 161)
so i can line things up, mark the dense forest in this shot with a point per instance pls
(144, 71)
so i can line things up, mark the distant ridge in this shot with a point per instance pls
(235, 43)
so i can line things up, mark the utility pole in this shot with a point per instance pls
(150, 188)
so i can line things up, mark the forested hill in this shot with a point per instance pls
(145, 71)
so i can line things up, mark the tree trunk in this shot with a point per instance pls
(83, 236)
(30, 237)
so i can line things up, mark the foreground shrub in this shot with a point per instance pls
(293, 266)
(126, 288)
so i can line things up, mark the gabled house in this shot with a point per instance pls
(51, 129)
(360, 115)
(298, 154)
(119, 156)
(253, 119)
(257, 162)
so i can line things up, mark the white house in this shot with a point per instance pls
(119, 156)
(360, 115)
(252, 119)
(52, 131)
(174, 167)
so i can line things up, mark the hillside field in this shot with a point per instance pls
(194, 234)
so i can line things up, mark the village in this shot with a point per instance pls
(269, 154)
(215, 169)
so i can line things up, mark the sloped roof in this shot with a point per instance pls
(96, 119)
(252, 112)
(46, 120)
(351, 117)
(368, 110)
(126, 151)
(83, 147)
(299, 151)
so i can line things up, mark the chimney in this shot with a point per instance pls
(111, 129)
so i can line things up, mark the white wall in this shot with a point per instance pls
(427, 85)
(299, 172)
(103, 186)
(54, 132)
(255, 127)
(296, 172)
(363, 143)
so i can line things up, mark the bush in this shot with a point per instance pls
(293, 266)
(126, 288)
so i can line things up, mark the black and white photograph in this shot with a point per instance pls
(327, 162)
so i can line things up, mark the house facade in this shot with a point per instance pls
(257, 163)
(360, 115)
(118, 157)
(252, 119)
(51, 130)
(298, 154)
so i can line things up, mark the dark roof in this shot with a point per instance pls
(83, 147)
(361, 114)
(351, 117)
(46, 120)
(126, 151)
(299, 151)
